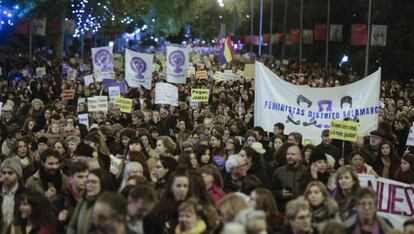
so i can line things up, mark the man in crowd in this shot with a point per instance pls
(327, 147)
(109, 214)
(78, 172)
(289, 181)
(141, 202)
(371, 150)
(11, 173)
(49, 180)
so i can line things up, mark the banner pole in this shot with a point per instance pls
(251, 24)
(368, 38)
(328, 30)
(271, 28)
(301, 33)
(261, 28)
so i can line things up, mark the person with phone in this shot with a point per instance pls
(290, 180)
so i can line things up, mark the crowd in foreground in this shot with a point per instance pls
(189, 169)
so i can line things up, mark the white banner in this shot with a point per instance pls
(177, 64)
(98, 103)
(395, 200)
(138, 69)
(335, 32)
(88, 80)
(311, 110)
(410, 138)
(102, 58)
(378, 35)
(166, 94)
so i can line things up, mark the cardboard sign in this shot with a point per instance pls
(125, 104)
(202, 75)
(84, 119)
(68, 94)
(344, 130)
(40, 72)
(191, 71)
(199, 95)
(410, 138)
(166, 94)
(114, 91)
(88, 80)
(98, 103)
(249, 70)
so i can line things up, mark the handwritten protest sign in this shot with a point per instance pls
(201, 75)
(84, 119)
(40, 72)
(343, 130)
(98, 103)
(166, 94)
(249, 70)
(394, 199)
(125, 104)
(88, 80)
(199, 95)
(114, 91)
(68, 94)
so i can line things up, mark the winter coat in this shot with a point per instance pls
(81, 221)
(384, 224)
(326, 212)
(35, 182)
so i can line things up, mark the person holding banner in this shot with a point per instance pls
(357, 161)
(405, 173)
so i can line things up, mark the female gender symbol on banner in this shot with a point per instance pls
(139, 66)
(177, 59)
(103, 60)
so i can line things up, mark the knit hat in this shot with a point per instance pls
(410, 159)
(377, 133)
(7, 107)
(14, 164)
(317, 155)
(83, 150)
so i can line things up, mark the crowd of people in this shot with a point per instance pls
(189, 169)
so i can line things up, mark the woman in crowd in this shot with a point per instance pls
(319, 166)
(232, 146)
(275, 145)
(298, 217)
(324, 208)
(100, 150)
(216, 147)
(188, 160)
(177, 190)
(387, 161)
(213, 182)
(145, 138)
(262, 199)
(98, 181)
(21, 150)
(191, 218)
(306, 153)
(255, 166)
(230, 205)
(35, 215)
(165, 147)
(202, 153)
(405, 173)
(357, 161)
(347, 184)
(162, 171)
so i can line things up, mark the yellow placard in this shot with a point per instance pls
(344, 130)
(72, 60)
(201, 75)
(200, 95)
(249, 71)
(156, 67)
(125, 104)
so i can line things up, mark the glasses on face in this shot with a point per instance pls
(368, 204)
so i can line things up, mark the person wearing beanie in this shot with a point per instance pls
(405, 173)
(10, 190)
(319, 166)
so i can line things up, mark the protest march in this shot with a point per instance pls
(202, 138)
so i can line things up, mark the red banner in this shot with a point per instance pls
(295, 35)
(22, 27)
(359, 34)
(277, 38)
(320, 32)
